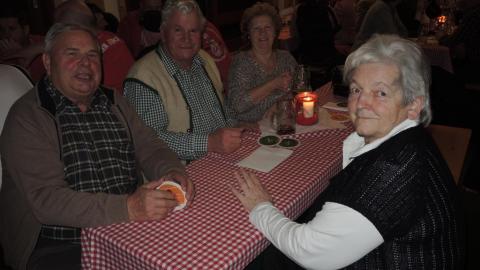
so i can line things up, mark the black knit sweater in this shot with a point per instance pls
(406, 190)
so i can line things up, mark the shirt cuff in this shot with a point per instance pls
(256, 211)
(199, 145)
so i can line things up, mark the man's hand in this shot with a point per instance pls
(186, 184)
(148, 203)
(225, 140)
(253, 191)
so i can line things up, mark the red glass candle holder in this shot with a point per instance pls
(306, 108)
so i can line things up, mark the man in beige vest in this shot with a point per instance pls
(177, 88)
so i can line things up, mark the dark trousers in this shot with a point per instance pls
(55, 254)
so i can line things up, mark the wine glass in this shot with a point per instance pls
(301, 79)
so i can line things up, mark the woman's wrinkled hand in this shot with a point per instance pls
(252, 192)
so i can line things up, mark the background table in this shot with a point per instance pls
(438, 55)
(214, 233)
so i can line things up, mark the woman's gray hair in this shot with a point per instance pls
(185, 7)
(60, 28)
(414, 68)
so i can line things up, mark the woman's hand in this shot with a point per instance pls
(283, 81)
(253, 191)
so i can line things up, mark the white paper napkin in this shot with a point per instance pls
(265, 158)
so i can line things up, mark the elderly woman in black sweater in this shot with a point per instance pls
(393, 206)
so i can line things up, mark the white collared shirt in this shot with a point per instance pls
(329, 241)
(354, 145)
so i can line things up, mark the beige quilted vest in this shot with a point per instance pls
(151, 71)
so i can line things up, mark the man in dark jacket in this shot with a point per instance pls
(74, 155)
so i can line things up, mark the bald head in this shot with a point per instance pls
(75, 12)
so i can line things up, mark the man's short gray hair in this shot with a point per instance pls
(414, 68)
(60, 28)
(185, 7)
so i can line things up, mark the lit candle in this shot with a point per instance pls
(442, 19)
(305, 106)
(308, 104)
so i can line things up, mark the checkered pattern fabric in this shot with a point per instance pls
(207, 114)
(97, 153)
(214, 232)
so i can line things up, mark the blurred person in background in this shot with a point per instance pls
(361, 9)
(105, 21)
(317, 25)
(346, 16)
(15, 40)
(214, 45)
(260, 75)
(112, 22)
(464, 42)
(141, 28)
(381, 18)
(116, 57)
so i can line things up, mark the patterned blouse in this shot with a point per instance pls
(246, 74)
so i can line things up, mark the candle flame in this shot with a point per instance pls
(442, 19)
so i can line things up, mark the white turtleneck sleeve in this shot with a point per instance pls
(335, 238)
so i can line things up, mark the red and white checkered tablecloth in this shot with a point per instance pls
(214, 232)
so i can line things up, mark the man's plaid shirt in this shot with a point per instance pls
(207, 114)
(97, 153)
